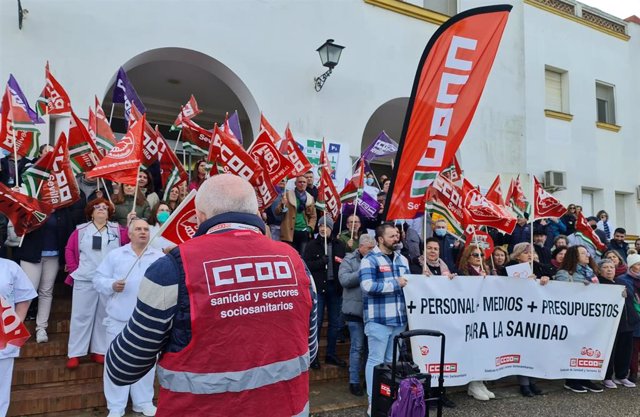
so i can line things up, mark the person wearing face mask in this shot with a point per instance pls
(450, 247)
(159, 215)
(382, 277)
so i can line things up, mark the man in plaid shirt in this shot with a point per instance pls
(381, 280)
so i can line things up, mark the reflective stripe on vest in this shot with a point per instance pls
(220, 382)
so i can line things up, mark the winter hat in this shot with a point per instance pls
(326, 221)
(633, 259)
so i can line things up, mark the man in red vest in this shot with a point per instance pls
(232, 313)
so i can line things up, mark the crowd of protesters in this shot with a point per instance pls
(339, 253)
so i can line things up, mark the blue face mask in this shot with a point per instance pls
(441, 232)
(163, 216)
(369, 181)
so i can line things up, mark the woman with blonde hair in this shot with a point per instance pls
(618, 262)
(471, 261)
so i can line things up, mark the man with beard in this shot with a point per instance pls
(382, 274)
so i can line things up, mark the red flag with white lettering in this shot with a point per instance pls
(482, 212)
(53, 98)
(447, 88)
(265, 191)
(231, 156)
(149, 141)
(99, 128)
(277, 165)
(265, 125)
(24, 212)
(83, 152)
(12, 329)
(546, 205)
(51, 178)
(183, 223)
(584, 230)
(328, 196)
(123, 161)
(289, 147)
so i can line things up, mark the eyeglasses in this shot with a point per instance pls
(101, 207)
(476, 255)
(572, 208)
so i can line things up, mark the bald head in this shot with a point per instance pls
(225, 193)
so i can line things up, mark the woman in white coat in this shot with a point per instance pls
(86, 248)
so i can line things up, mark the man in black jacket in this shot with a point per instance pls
(323, 257)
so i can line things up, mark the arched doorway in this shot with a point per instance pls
(165, 78)
(390, 118)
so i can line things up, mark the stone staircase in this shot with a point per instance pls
(43, 386)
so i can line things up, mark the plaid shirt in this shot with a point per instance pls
(383, 299)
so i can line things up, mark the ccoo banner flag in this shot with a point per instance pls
(449, 81)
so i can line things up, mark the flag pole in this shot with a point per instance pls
(533, 214)
(111, 115)
(424, 237)
(475, 238)
(355, 210)
(135, 196)
(177, 141)
(15, 156)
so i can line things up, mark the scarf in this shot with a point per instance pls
(585, 271)
(555, 263)
(302, 200)
(621, 270)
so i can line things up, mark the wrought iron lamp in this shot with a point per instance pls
(329, 56)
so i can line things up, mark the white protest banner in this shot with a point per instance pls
(501, 326)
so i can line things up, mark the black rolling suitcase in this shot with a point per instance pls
(387, 377)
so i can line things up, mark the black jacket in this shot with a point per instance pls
(5, 178)
(630, 318)
(314, 257)
(31, 249)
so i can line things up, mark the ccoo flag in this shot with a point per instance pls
(449, 81)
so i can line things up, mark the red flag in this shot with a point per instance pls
(447, 88)
(328, 197)
(355, 186)
(188, 111)
(149, 141)
(58, 101)
(480, 211)
(83, 152)
(453, 170)
(516, 198)
(449, 195)
(277, 166)
(545, 204)
(24, 212)
(12, 329)
(265, 191)
(324, 162)
(171, 170)
(51, 178)
(265, 125)
(289, 147)
(495, 192)
(195, 137)
(183, 223)
(16, 124)
(122, 162)
(99, 128)
(232, 157)
(587, 233)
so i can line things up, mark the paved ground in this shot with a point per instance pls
(621, 402)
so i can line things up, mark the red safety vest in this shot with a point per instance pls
(249, 354)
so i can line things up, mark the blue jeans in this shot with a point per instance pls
(380, 348)
(333, 301)
(356, 351)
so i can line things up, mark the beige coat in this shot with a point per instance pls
(289, 217)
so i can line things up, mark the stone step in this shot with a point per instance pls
(58, 323)
(32, 371)
(56, 346)
(56, 397)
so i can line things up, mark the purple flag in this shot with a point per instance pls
(367, 206)
(234, 124)
(21, 100)
(123, 92)
(381, 146)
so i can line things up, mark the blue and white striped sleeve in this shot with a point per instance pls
(134, 351)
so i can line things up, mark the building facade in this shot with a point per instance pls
(561, 96)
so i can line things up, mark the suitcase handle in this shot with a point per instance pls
(419, 332)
